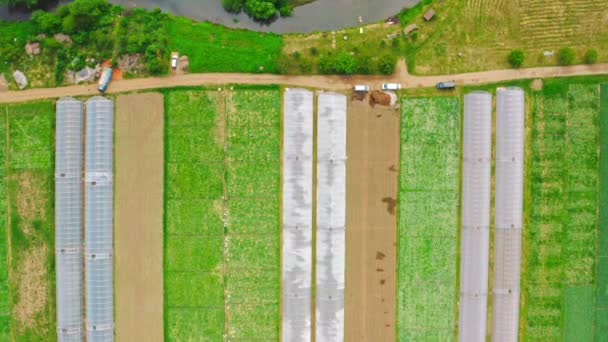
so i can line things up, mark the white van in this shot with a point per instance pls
(391, 86)
(361, 88)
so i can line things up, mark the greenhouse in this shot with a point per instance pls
(331, 217)
(476, 176)
(508, 213)
(98, 219)
(68, 219)
(297, 215)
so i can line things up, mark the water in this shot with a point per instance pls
(321, 15)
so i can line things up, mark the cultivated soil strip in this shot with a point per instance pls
(371, 237)
(325, 82)
(138, 228)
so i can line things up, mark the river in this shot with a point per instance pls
(321, 15)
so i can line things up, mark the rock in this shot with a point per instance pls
(63, 38)
(20, 79)
(41, 36)
(32, 49)
(85, 75)
(184, 64)
(130, 63)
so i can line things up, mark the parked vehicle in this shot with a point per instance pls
(174, 60)
(361, 88)
(391, 86)
(446, 85)
(104, 80)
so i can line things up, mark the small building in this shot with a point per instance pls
(410, 28)
(430, 14)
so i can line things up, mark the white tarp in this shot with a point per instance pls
(297, 215)
(508, 213)
(477, 154)
(331, 217)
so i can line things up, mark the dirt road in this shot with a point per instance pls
(138, 236)
(371, 238)
(323, 82)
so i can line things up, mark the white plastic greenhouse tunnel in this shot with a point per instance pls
(508, 213)
(99, 219)
(476, 179)
(297, 215)
(331, 217)
(68, 219)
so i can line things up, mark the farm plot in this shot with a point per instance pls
(428, 219)
(560, 246)
(30, 208)
(222, 215)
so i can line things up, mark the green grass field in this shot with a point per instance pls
(560, 249)
(601, 329)
(428, 219)
(213, 48)
(222, 275)
(30, 192)
(4, 293)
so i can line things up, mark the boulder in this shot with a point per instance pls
(85, 75)
(20, 79)
(32, 49)
(63, 38)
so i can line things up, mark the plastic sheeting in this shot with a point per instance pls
(508, 213)
(297, 215)
(99, 219)
(477, 154)
(331, 217)
(68, 218)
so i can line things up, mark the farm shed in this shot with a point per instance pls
(430, 14)
(476, 175)
(99, 155)
(410, 28)
(297, 215)
(68, 218)
(331, 216)
(508, 213)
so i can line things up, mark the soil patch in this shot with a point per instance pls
(30, 200)
(537, 84)
(32, 287)
(371, 237)
(138, 230)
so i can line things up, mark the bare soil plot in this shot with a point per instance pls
(371, 236)
(138, 210)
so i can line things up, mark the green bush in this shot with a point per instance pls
(46, 22)
(516, 58)
(386, 64)
(365, 65)
(565, 56)
(590, 56)
(233, 6)
(260, 10)
(305, 65)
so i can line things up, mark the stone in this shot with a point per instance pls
(63, 38)
(85, 75)
(32, 49)
(20, 79)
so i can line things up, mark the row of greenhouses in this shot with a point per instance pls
(98, 218)
(298, 216)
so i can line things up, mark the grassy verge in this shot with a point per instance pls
(4, 237)
(30, 204)
(222, 218)
(601, 303)
(428, 219)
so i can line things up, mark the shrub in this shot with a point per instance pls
(344, 63)
(314, 51)
(516, 58)
(46, 22)
(365, 65)
(590, 56)
(326, 65)
(297, 55)
(286, 11)
(234, 6)
(386, 64)
(305, 65)
(260, 10)
(565, 56)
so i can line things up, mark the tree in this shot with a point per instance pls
(565, 56)
(46, 22)
(516, 58)
(591, 56)
(233, 6)
(344, 63)
(386, 64)
(260, 10)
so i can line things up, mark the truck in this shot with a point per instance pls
(174, 60)
(446, 85)
(362, 88)
(391, 86)
(104, 79)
